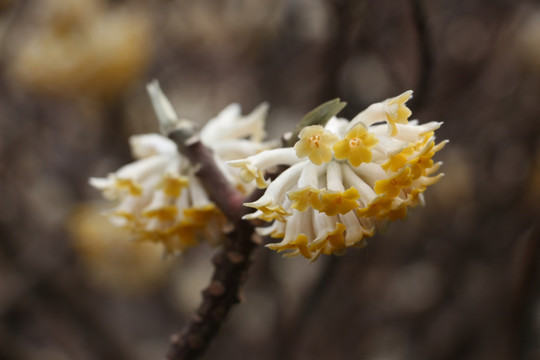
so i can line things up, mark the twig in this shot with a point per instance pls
(426, 57)
(9, 347)
(310, 301)
(226, 197)
(16, 12)
(349, 15)
(231, 263)
(524, 276)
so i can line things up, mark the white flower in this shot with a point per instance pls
(159, 197)
(344, 178)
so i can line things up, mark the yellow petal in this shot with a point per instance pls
(340, 202)
(304, 198)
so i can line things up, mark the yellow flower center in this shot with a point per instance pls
(314, 139)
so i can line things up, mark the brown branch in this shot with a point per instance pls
(226, 197)
(231, 263)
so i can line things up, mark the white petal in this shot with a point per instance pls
(337, 126)
(270, 158)
(102, 183)
(237, 149)
(367, 194)
(142, 169)
(334, 177)
(310, 175)
(355, 230)
(370, 173)
(199, 198)
(275, 193)
(373, 114)
(216, 129)
(147, 145)
(299, 223)
(323, 225)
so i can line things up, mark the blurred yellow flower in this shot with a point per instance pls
(81, 47)
(111, 259)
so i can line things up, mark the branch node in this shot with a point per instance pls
(240, 297)
(218, 314)
(216, 288)
(176, 339)
(235, 257)
(195, 341)
(257, 239)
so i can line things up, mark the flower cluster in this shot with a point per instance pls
(160, 198)
(343, 179)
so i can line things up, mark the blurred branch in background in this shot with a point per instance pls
(426, 56)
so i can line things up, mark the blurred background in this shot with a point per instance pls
(459, 279)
